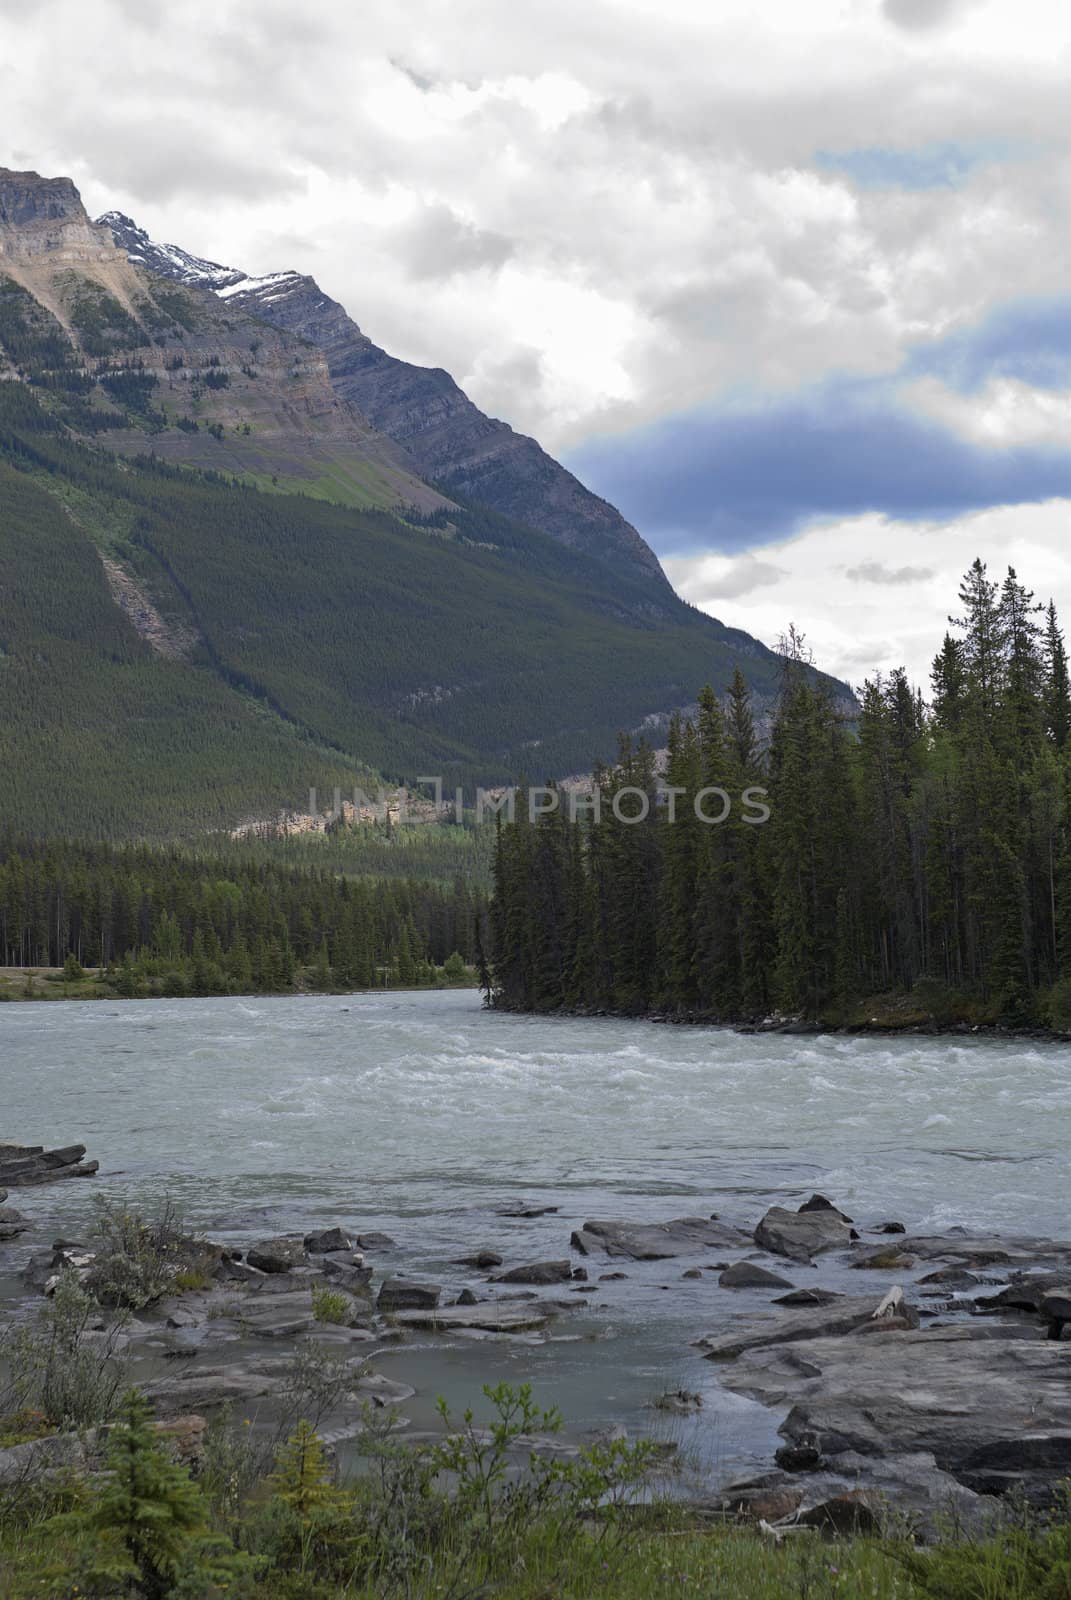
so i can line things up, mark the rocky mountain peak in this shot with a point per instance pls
(45, 217)
(166, 260)
(447, 439)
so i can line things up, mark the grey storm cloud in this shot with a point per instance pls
(743, 576)
(923, 14)
(438, 244)
(895, 577)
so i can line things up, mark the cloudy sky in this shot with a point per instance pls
(787, 283)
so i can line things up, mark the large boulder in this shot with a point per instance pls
(276, 1255)
(801, 1235)
(327, 1240)
(538, 1272)
(406, 1294)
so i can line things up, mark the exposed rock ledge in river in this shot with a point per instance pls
(937, 1375)
(656, 1241)
(23, 1165)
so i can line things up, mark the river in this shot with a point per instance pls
(420, 1114)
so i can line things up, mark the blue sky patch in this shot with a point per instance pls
(944, 165)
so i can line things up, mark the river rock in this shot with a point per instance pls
(538, 1272)
(681, 1402)
(818, 1202)
(204, 1389)
(800, 1235)
(276, 1255)
(383, 1391)
(374, 1241)
(27, 1462)
(24, 1165)
(406, 1294)
(914, 1484)
(12, 1222)
(988, 1409)
(510, 1316)
(228, 1270)
(277, 1316)
(327, 1241)
(483, 1259)
(749, 1275)
(840, 1317)
(655, 1241)
(809, 1297)
(525, 1209)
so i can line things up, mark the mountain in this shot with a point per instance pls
(209, 383)
(221, 585)
(449, 441)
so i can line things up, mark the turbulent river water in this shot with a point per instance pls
(421, 1114)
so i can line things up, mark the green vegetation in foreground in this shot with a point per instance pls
(164, 922)
(260, 1513)
(922, 857)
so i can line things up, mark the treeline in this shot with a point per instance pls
(921, 853)
(161, 921)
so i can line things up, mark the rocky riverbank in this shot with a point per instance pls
(939, 1382)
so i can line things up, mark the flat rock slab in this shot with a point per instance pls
(835, 1319)
(524, 1208)
(853, 1494)
(511, 1317)
(987, 1408)
(656, 1241)
(202, 1390)
(23, 1165)
(982, 1250)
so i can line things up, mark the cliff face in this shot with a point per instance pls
(448, 439)
(209, 382)
(45, 217)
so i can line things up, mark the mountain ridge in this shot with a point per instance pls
(195, 629)
(450, 441)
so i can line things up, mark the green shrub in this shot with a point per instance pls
(331, 1305)
(137, 1260)
(62, 1368)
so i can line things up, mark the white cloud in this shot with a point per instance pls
(628, 189)
(1004, 412)
(857, 620)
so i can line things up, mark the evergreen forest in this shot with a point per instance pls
(914, 869)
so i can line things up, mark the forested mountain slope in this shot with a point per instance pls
(181, 649)
(448, 439)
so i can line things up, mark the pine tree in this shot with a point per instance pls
(145, 1528)
(1057, 702)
